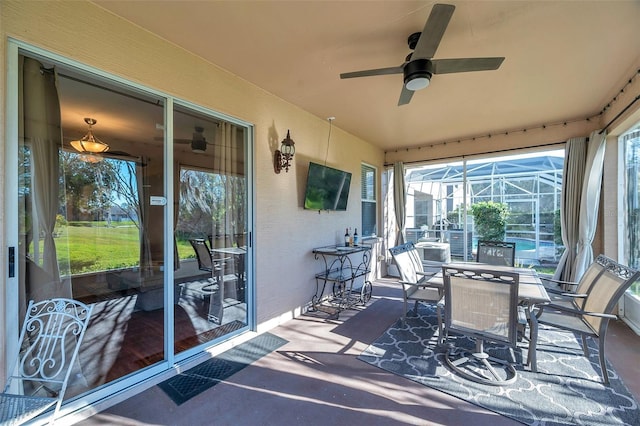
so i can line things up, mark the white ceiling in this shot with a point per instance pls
(564, 59)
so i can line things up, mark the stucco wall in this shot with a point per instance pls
(285, 233)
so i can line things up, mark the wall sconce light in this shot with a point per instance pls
(283, 156)
(89, 146)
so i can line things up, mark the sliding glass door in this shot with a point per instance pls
(211, 224)
(135, 203)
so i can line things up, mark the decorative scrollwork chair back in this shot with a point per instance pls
(591, 317)
(49, 343)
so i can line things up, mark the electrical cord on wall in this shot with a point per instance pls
(326, 155)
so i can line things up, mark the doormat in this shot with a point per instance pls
(198, 379)
(567, 390)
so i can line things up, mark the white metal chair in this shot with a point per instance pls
(49, 343)
(499, 253)
(482, 305)
(413, 278)
(589, 316)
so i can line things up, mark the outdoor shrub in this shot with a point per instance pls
(490, 220)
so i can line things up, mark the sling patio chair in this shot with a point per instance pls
(499, 253)
(589, 316)
(562, 297)
(481, 305)
(49, 343)
(413, 278)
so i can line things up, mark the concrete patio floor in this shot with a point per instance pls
(315, 379)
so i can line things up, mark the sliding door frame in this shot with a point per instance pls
(153, 374)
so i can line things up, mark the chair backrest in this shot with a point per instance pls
(589, 278)
(501, 253)
(481, 303)
(607, 289)
(50, 339)
(408, 261)
(203, 254)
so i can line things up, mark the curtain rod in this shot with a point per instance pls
(606, 127)
(544, 145)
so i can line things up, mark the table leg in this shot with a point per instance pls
(533, 338)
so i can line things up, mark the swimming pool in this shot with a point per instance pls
(526, 248)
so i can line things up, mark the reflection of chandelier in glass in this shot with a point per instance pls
(89, 144)
(91, 158)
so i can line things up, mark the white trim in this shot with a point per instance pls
(10, 305)
(111, 393)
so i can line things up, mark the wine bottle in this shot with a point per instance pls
(356, 238)
(347, 237)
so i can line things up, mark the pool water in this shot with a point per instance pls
(526, 248)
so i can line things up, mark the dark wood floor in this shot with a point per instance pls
(316, 379)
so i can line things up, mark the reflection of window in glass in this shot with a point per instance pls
(102, 220)
(203, 208)
(368, 196)
(631, 237)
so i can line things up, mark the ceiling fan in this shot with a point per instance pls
(419, 66)
(198, 141)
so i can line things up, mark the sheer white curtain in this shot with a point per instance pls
(43, 134)
(575, 157)
(590, 202)
(399, 200)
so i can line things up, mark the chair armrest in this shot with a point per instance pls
(579, 312)
(553, 280)
(600, 315)
(565, 294)
(560, 283)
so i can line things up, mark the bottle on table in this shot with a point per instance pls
(347, 237)
(356, 238)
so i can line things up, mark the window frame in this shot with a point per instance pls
(365, 190)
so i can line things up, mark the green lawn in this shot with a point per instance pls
(94, 246)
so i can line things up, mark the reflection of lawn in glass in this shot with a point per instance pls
(94, 246)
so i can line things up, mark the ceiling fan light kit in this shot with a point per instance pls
(417, 74)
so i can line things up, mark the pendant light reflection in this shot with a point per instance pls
(89, 146)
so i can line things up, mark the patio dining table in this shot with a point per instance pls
(531, 293)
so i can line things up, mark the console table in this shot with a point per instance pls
(342, 268)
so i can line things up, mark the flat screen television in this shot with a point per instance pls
(327, 188)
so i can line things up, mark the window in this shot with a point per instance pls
(368, 196)
(440, 199)
(631, 237)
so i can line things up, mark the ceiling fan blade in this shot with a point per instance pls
(405, 96)
(161, 138)
(369, 73)
(446, 66)
(433, 31)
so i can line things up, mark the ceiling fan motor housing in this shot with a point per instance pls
(418, 68)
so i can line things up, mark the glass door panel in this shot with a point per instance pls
(88, 229)
(210, 216)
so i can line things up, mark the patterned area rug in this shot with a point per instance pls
(567, 390)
